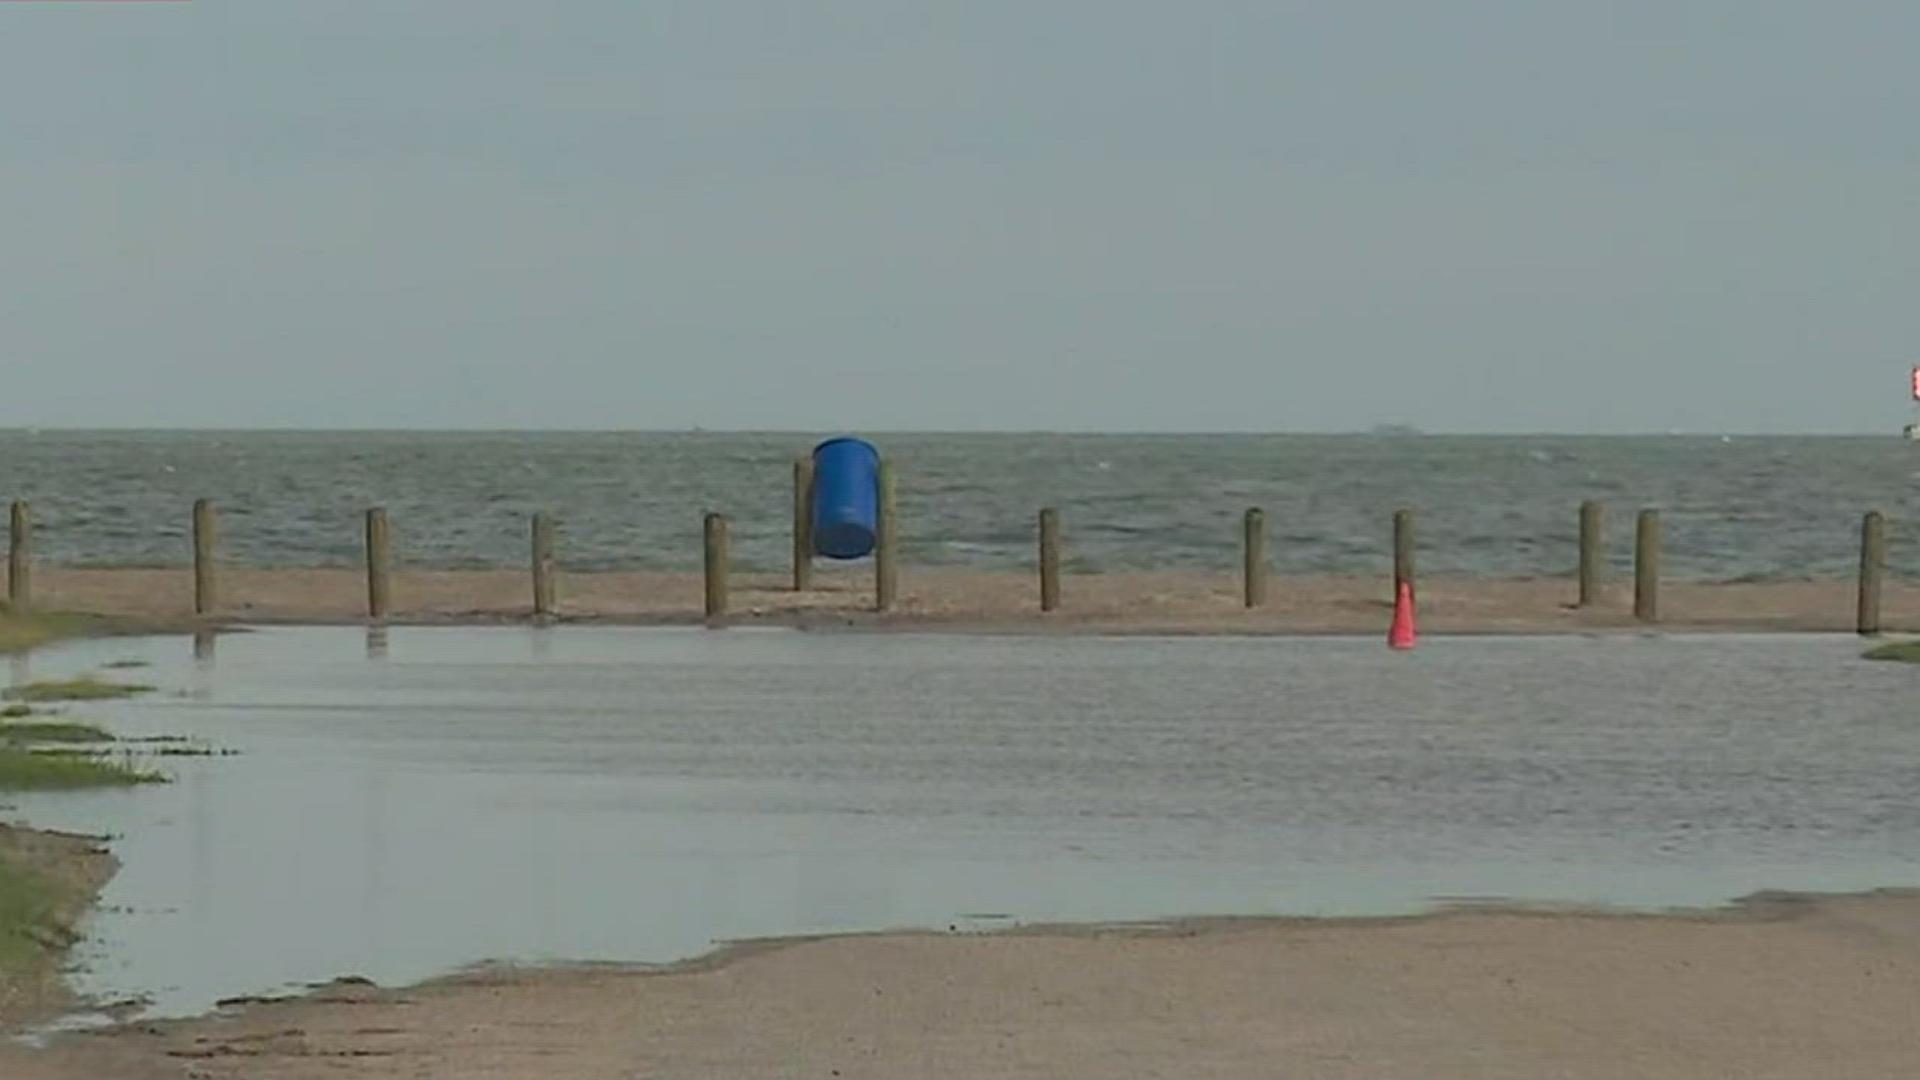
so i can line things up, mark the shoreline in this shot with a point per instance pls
(1769, 985)
(55, 880)
(1183, 603)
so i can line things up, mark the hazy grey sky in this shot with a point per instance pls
(1083, 214)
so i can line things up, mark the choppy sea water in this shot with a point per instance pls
(1739, 509)
(452, 795)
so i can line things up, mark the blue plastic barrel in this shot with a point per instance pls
(846, 498)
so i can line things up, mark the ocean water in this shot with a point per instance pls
(402, 803)
(1739, 509)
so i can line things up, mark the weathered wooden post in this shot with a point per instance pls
(716, 565)
(205, 538)
(543, 544)
(1592, 554)
(1255, 551)
(1403, 569)
(20, 558)
(886, 552)
(1873, 565)
(379, 565)
(1049, 559)
(1646, 567)
(803, 523)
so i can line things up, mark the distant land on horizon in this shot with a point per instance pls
(1384, 430)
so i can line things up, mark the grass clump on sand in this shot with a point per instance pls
(84, 688)
(47, 881)
(20, 631)
(42, 770)
(15, 712)
(52, 731)
(1907, 652)
(28, 901)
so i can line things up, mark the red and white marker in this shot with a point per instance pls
(1403, 634)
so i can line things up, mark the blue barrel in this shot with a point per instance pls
(846, 498)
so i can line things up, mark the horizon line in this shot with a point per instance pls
(1382, 431)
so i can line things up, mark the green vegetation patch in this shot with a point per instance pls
(28, 901)
(84, 688)
(47, 881)
(40, 770)
(15, 712)
(22, 631)
(1907, 652)
(53, 731)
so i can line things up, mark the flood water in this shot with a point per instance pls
(405, 805)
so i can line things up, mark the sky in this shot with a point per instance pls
(1108, 215)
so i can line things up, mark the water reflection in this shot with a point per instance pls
(200, 677)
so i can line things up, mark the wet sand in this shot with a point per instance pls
(1774, 988)
(1186, 603)
(73, 868)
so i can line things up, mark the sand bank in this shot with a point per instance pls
(47, 882)
(1776, 988)
(934, 598)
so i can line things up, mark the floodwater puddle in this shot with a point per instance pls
(402, 805)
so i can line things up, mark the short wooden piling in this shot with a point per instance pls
(886, 550)
(543, 545)
(802, 523)
(716, 565)
(1873, 565)
(1646, 567)
(379, 565)
(1049, 559)
(1403, 545)
(1592, 553)
(1254, 550)
(20, 558)
(205, 539)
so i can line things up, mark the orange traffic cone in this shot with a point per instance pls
(1403, 634)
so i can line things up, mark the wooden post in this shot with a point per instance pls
(205, 537)
(1402, 550)
(543, 605)
(716, 565)
(379, 565)
(1049, 559)
(1592, 555)
(1646, 568)
(1873, 565)
(886, 553)
(1255, 545)
(803, 523)
(20, 559)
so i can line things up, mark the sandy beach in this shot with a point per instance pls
(70, 870)
(1005, 601)
(1774, 988)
